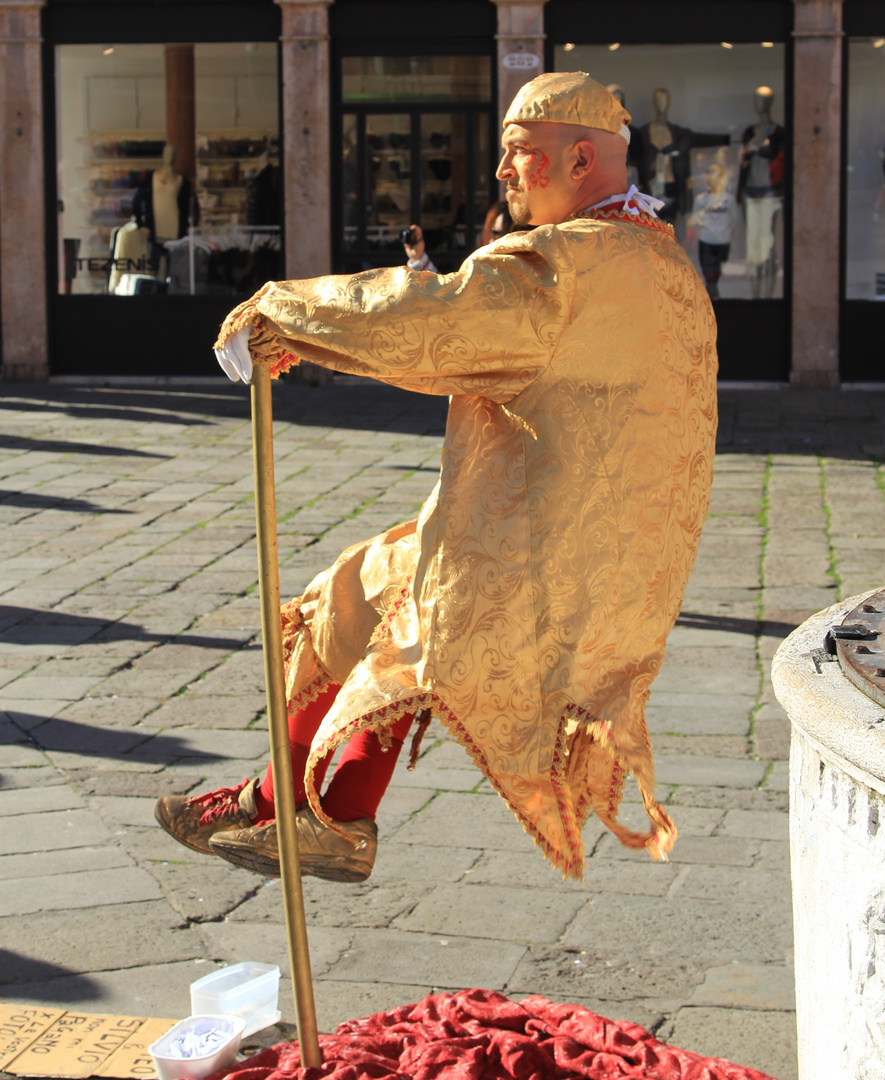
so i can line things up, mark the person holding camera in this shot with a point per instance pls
(416, 253)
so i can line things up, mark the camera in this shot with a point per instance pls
(410, 236)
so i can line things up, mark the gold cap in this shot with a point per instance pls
(568, 97)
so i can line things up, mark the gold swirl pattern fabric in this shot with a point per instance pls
(529, 605)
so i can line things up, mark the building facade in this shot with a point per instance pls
(161, 160)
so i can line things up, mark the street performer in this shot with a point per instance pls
(528, 606)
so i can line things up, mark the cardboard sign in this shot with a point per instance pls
(20, 1025)
(51, 1042)
(133, 1059)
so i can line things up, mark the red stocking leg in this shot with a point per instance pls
(303, 725)
(363, 773)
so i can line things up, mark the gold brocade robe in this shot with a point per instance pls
(529, 605)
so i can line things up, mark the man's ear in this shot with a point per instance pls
(584, 155)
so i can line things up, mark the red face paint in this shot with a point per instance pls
(537, 166)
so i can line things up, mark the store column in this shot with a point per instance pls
(520, 46)
(181, 125)
(22, 211)
(816, 179)
(305, 125)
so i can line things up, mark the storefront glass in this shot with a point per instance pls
(865, 178)
(416, 78)
(707, 137)
(138, 214)
(415, 149)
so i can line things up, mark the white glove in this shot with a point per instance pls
(234, 356)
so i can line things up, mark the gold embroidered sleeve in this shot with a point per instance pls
(265, 346)
(489, 329)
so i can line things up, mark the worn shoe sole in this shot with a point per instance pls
(330, 868)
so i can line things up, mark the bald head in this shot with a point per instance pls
(554, 170)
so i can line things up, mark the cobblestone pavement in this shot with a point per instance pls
(130, 666)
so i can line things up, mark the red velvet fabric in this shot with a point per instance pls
(481, 1035)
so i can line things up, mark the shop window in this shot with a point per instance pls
(865, 176)
(150, 202)
(416, 148)
(708, 137)
(416, 78)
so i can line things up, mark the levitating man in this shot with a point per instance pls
(528, 606)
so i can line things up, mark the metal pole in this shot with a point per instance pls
(284, 793)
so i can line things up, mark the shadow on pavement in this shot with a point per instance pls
(52, 733)
(30, 501)
(731, 625)
(30, 626)
(58, 446)
(847, 424)
(370, 406)
(17, 968)
(780, 420)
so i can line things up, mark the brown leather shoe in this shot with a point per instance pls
(323, 852)
(192, 821)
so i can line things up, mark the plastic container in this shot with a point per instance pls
(248, 990)
(195, 1068)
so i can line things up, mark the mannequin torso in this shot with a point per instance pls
(166, 187)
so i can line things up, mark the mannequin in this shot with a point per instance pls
(637, 172)
(666, 155)
(715, 215)
(130, 253)
(162, 204)
(166, 187)
(761, 190)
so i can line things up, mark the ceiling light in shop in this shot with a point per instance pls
(568, 47)
(878, 43)
(615, 45)
(107, 52)
(727, 45)
(767, 44)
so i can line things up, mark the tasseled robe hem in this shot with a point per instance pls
(658, 841)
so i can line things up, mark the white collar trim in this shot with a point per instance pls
(641, 203)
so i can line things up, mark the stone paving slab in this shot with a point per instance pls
(53, 830)
(747, 986)
(61, 892)
(762, 1040)
(506, 913)
(130, 667)
(443, 961)
(60, 861)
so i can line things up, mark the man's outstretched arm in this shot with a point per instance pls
(489, 329)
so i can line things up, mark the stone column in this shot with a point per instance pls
(816, 186)
(305, 124)
(22, 209)
(520, 46)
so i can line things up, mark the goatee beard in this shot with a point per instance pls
(519, 212)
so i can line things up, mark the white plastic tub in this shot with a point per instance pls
(248, 990)
(171, 1067)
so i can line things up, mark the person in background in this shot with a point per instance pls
(498, 222)
(416, 253)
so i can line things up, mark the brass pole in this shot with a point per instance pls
(284, 793)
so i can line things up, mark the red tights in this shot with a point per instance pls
(362, 775)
